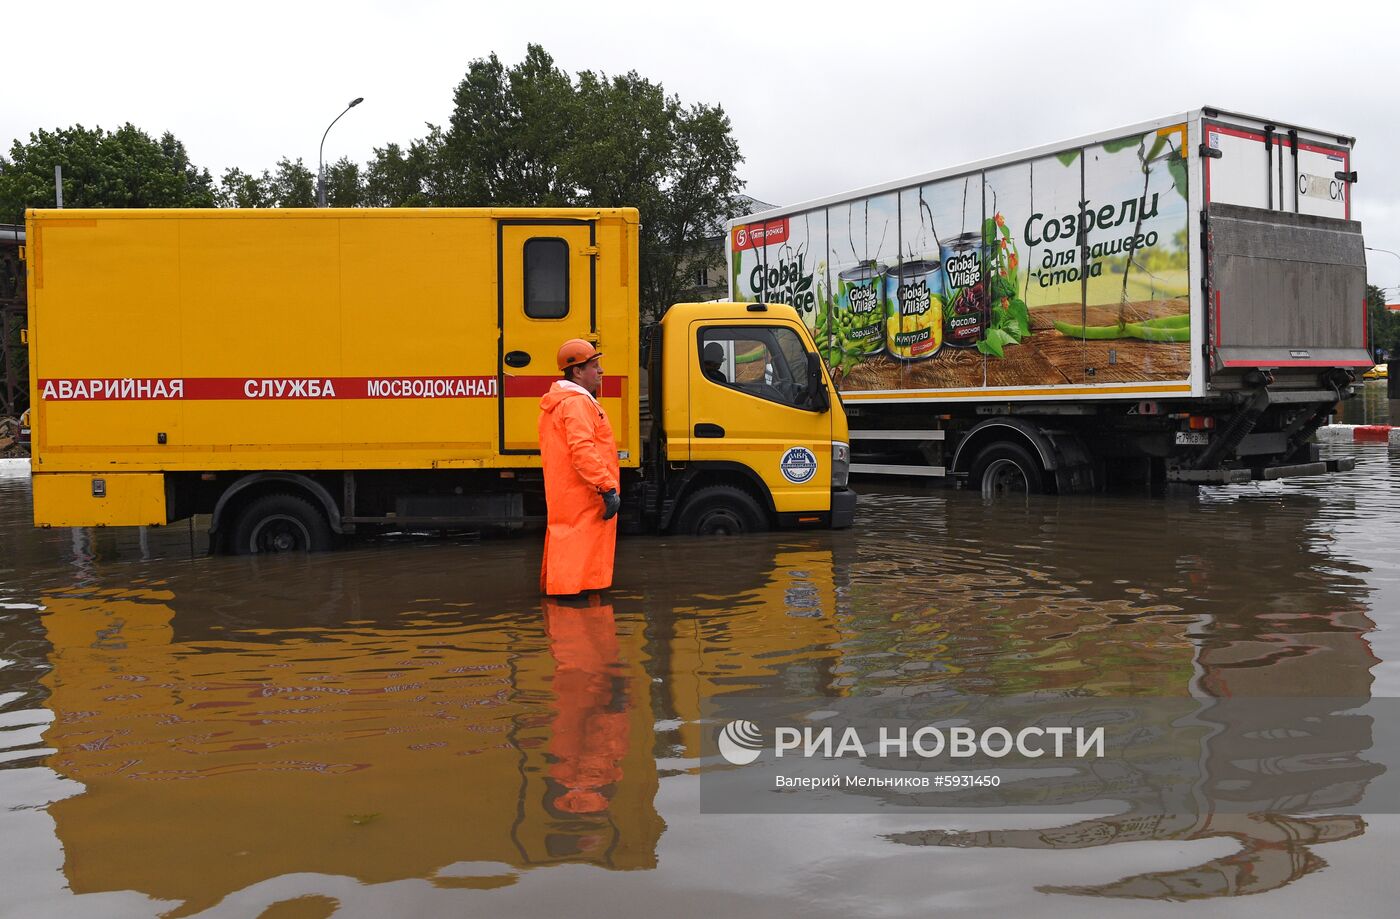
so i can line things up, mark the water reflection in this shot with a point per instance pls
(347, 747)
(1372, 405)
(1247, 637)
(590, 734)
(412, 713)
(1275, 850)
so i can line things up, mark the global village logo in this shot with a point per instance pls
(740, 742)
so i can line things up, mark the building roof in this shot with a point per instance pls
(743, 204)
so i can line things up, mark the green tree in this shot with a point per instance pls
(240, 189)
(343, 185)
(1384, 324)
(402, 178)
(636, 146)
(531, 135)
(122, 168)
(293, 185)
(698, 194)
(509, 133)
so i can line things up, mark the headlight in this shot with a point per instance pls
(840, 463)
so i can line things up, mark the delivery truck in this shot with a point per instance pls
(1178, 301)
(303, 374)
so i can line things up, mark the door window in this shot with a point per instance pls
(546, 278)
(767, 362)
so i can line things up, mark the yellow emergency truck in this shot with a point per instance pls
(305, 374)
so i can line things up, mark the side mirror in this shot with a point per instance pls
(817, 399)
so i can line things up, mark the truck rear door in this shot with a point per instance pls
(1286, 269)
(546, 295)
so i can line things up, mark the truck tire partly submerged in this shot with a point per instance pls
(280, 523)
(721, 510)
(1004, 469)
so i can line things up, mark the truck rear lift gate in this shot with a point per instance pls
(907, 436)
(1288, 290)
(1242, 476)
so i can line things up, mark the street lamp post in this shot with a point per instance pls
(1378, 249)
(1391, 385)
(1386, 251)
(320, 155)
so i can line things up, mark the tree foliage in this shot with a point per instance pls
(122, 168)
(240, 189)
(1384, 324)
(524, 135)
(531, 135)
(509, 133)
(344, 187)
(291, 185)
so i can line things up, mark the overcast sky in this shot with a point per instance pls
(823, 97)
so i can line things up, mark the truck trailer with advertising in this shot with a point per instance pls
(301, 374)
(1182, 300)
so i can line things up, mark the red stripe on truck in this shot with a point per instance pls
(1263, 363)
(142, 389)
(536, 386)
(160, 389)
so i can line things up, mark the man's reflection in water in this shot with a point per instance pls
(590, 730)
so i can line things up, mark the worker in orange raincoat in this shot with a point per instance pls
(580, 476)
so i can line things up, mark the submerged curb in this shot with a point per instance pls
(1359, 434)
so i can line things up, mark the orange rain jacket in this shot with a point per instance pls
(580, 463)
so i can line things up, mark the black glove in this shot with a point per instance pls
(611, 502)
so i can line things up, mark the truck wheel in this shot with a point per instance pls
(721, 510)
(1007, 469)
(280, 523)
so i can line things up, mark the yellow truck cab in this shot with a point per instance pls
(751, 430)
(304, 374)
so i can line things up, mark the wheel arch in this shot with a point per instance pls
(1016, 430)
(1062, 454)
(256, 484)
(717, 473)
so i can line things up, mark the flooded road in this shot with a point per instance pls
(404, 728)
(1372, 405)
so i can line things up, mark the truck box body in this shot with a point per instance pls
(385, 365)
(309, 339)
(1173, 267)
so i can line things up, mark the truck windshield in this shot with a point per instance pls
(768, 362)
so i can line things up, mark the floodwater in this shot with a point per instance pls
(1372, 405)
(403, 728)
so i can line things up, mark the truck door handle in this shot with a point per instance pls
(708, 430)
(517, 359)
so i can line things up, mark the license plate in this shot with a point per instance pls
(1192, 438)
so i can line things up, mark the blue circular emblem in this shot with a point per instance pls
(799, 465)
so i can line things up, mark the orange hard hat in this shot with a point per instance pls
(576, 351)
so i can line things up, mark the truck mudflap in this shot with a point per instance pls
(1265, 474)
(843, 508)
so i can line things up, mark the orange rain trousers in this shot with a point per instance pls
(580, 463)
